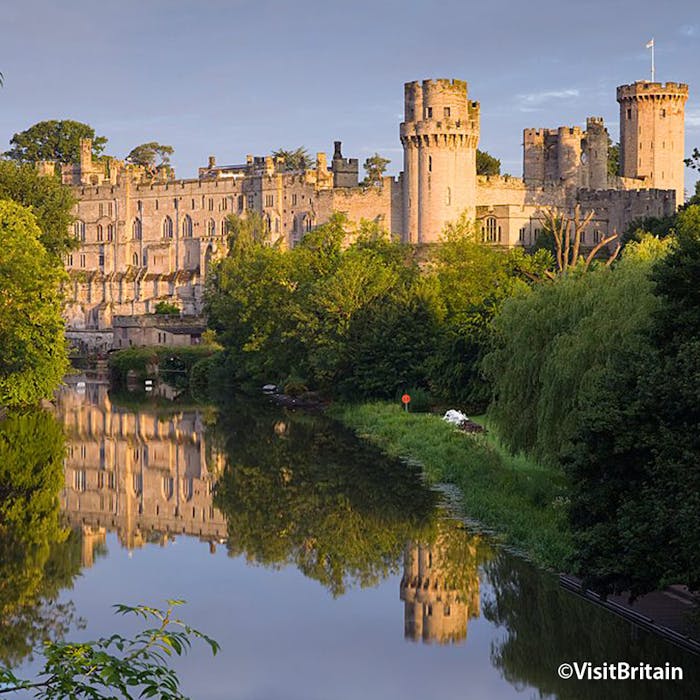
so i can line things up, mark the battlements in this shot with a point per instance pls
(643, 89)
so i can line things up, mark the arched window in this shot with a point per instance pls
(167, 227)
(491, 229)
(136, 229)
(211, 227)
(135, 259)
(79, 230)
(187, 227)
(100, 234)
(448, 196)
(224, 227)
(110, 232)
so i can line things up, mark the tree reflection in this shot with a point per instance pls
(545, 626)
(37, 556)
(298, 489)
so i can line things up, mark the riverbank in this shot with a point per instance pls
(523, 502)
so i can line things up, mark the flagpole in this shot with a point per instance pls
(652, 61)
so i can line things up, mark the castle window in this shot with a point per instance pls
(187, 227)
(100, 234)
(251, 201)
(491, 229)
(224, 204)
(79, 230)
(447, 112)
(156, 205)
(428, 112)
(430, 164)
(629, 113)
(211, 204)
(139, 205)
(192, 207)
(521, 237)
(663, 112)
(70, 261)
(294, 200)
(80, 480)
(269, 200)
(102, 209)
(448, 196)
(224, 227)
(102, 256)
(583, 236)
(175, 202)
(110, 232)
(135, 259)
(167, 227)
(211, 227)
(82, 260)
(136, 229)
(446, 610)
(240, 202)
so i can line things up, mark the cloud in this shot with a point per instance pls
(689, 30)
(534, 101)
(692, 119)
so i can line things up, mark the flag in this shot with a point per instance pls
(650, 44)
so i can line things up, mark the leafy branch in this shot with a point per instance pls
(135, 667)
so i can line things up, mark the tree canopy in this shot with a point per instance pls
(294, 159)
(152, 155)
(57, 140)
(486, 164)
(375, 167)
(32, 344)
(49, 200)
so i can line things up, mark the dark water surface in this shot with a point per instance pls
(324, 570)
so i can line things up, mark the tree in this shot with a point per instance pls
(486, 164)
(49, 200)
(694, 160)
(613, 159)
(134, 667)
(297, 159)
(568, 232)
(57, 140)
(33, 356)
(374, 166)
(153, 156)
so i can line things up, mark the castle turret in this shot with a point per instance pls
(595, 154)
(652, 134)
(439, 137)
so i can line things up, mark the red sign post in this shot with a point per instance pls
(405, 400)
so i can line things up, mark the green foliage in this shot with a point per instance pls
(174, 364)
(634, 460)
(57, 140)
(49, 200)
(486, 164)
(134, 667)
(294, 159)
(553, 341)
(694, 160)
(352, 311)
(37, 558)
(522, 501)
(166, 308)
(297, 489)
(151, 155)
(613, 159)
(33, 354)
(375, 167)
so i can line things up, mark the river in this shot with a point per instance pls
(324, 569)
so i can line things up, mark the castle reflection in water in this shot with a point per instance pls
(150, 476)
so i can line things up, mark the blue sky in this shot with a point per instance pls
(227, 77)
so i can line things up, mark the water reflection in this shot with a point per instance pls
(295, 491)
(440, 584)
(145, 474)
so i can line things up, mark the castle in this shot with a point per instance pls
(145, 239)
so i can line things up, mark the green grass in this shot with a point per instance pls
(523, 502)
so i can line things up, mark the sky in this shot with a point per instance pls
(230, 78)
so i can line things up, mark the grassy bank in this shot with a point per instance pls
(520, 500)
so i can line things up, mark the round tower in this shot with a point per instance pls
(595, 153)
(652, 134)
(439, 137)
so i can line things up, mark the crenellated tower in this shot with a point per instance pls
(652, 134)
(439, 134)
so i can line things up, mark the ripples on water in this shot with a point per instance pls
(324, 569)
